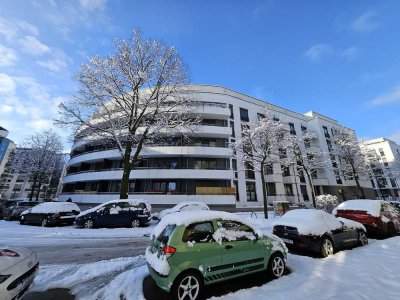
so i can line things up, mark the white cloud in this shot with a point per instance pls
(6, 109)
(365, 23)
(388, 98)
(33, 89)
(9, 29)
(93, 4)
(316, 52)
(7, 56)
(7, 84)
(57, 62)
(350, 53)
(33, 46)
(41, 124)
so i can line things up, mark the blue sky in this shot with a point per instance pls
(339, 58)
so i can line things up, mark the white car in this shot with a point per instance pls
(183, 206)
(18, 268)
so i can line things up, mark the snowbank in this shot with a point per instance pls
(52, 207)
(372, 207)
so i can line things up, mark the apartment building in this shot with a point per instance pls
(203, 168)
(385, 157)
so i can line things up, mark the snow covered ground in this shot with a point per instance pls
(370, 272)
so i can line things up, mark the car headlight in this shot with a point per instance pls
(4, 278)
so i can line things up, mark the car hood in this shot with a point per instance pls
(7, 260)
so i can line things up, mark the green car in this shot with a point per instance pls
(190, 250)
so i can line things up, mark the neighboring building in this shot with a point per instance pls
(7, 148)
(385, 157)
(204, 168)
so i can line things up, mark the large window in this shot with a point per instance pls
(251, 191)
(271, 188)
(288, 189)
(206, 164)
(249, 172)
(381, 152)
(326, 132)
(244, 115)
(292, 129)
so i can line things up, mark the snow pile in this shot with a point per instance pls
(158, 263)
(310, 221)
(184, 206)
(372, 207)
(222, 234)
(52, 207)
(189, 217)
(115, 209)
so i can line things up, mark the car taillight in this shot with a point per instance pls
(56, 215)
(168, 250)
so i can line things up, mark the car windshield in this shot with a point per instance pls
(27, 204)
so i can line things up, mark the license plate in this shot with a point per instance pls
(287, 241)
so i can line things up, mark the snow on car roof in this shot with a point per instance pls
(133, 202)
(312, 221)
(188, 217)
(52, 207)
(185, 203)
(372, 207)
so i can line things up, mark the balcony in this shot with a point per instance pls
(212, 110)
(320, 181)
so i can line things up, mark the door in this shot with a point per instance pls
(241, 251)
(107, 215)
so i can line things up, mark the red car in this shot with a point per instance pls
(378, 216)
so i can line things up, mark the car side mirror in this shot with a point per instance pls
(256, 235)
(341, 222)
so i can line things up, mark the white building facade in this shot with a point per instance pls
(203, 168)
(385, 177)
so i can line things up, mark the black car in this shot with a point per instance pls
(318, 231)
(13, 211)
(116, 213)
(51, 213)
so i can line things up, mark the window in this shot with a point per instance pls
(231, 111)
(268, 169)
(328, 142)
(199, 232)
(303, 190)
(232, 124)
(271, 189)
(282, 153)
(338, 179)
(373, 183)
(248, 167)
(235, 183)
(326, 132)
(303, 128)
(301, 175)
(285, 171)
(229, 225)
(288, 189)
(251, 191)
(307, 143)
(210, 164)
(393, 182)
(260, 116)
(276, 119)
(244, 115)
(292, 129)
(381, 152)
(234, 167)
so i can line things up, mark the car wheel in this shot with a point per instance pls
(22, 222)
(135, 223)
(391, 229)
(327, 247)
(45, 222)
(362, 238)
(188, 286)
(276, 266)
(88, 224)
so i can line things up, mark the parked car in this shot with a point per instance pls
(18, 268)
(51, 213)
(5, 208)
(190, 250)
(378, 216)
(183, 206)
(318, 231)
(396, 205)
(14, 210)
(116, 213)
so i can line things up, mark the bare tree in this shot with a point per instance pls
(354, 161)
(261, 145)
(131, 99)
(38, 158)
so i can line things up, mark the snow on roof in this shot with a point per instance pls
(313, 221)
(188, 217)
(372, 207)
(52, 207)
(133, 202)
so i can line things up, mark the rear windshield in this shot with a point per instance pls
(27, 203)
(166, 233)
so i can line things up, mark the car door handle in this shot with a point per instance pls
(228, 247)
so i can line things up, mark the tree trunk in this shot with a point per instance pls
(312, 187)
(38, 191)
(360, 190)
(264, 193)
(33, 188)
(127, 171)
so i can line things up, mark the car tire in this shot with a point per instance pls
(362, 238)
(327, 247)
(22, 222)
(88, 224)
(391, 230)
(135, 223)
(45, 222)
(276, 266)
(188, 283)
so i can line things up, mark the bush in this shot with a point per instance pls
(326, 202)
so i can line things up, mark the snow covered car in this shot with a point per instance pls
(116, 213)
(14, 211)
(50, 213)
(318, 231)
(183, 206)
(190, 250)
(18, 268)
(378, 216)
